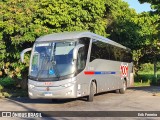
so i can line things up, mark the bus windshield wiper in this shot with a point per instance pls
(54, 67)
(44, 66)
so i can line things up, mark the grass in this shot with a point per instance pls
(138, 84)
(146, 78)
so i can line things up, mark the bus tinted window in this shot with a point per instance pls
(95, 54)
(127, 57)
(102, 50)
(112, 54)
(82, 54)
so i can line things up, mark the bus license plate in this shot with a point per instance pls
(48, 94)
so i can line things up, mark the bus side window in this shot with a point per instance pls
(122, 55)
(117, 53)
(82, 54)
(112, 55)
(128, 56)
(81, 60)
(99, 50)
(85, 41)
(94, 52)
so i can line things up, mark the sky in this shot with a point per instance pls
(137, 6)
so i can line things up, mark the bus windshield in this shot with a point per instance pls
(52, 59)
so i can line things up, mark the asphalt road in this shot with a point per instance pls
(135, 99)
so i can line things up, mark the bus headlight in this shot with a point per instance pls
(31, 86)
(69, 84)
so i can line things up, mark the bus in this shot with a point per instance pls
(77, 64)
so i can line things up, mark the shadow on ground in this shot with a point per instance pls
(149, 89)
(42, 101)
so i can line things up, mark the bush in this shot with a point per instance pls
(1, 88)
(147, 79)
(1, 95)
(7, 82)
(5, 94)
(144, 78)
(147, 67)
(155, 81)
(158, 66)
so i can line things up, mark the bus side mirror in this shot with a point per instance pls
(75, 51)
(23, 52)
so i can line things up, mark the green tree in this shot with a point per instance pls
(155, 5)
(136, 31)
(23, 21)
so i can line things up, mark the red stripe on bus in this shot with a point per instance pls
(89, 72)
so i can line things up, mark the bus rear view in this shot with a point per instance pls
(59, 63)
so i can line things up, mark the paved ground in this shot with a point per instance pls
(135, 99)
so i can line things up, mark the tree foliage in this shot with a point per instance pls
(136, 31)
(155, 5)
(23, 21)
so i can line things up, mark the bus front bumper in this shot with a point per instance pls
(52, 92)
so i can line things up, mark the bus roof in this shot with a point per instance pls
(75, 35)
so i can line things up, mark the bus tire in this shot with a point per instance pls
(92, 92)
(117, 91)
(122, 90)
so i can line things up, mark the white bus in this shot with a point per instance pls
(77, 64)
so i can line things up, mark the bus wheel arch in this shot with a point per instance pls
(95, 85)
(123, 89)
(92, 90)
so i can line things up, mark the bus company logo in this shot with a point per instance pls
(47, 88)
(124, 70)
(48, 83)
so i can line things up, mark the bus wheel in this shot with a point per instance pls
(92, 92)
(117, 91)
(122, 90)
